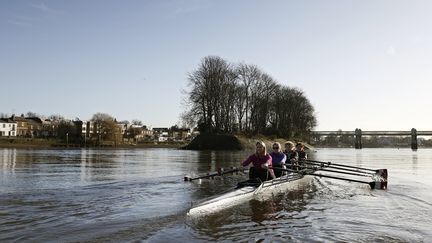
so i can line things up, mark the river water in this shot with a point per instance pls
(90, 195)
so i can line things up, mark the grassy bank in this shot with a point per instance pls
(27, 142)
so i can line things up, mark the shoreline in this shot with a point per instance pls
(28, 146)
(53, 145)
(236, 142)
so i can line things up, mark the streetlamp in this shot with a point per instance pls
(67, 139)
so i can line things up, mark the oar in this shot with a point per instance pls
(342, 171)
(373, 184)
(341, 165)
(221, 171)
(337, 169)
(208, 175)
(380, 172)
(346, 173)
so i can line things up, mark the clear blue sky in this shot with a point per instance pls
(365, 64)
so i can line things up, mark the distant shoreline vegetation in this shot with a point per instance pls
(346, 141)
(231, 98)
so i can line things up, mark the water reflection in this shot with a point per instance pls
(414, 158)
(261, 219)
(358, 157)
(8, 160)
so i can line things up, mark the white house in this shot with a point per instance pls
(87, 129)
(8, 128)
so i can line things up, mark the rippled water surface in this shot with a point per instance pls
(140, 195)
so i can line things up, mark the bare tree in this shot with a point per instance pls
(222, 96)
(32, 114)
(209, 84)
(137, 122)
(248, 76)
(106, 128)
(188, 119)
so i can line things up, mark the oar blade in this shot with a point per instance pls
(380, 185)
(382, 173)
(380, 180)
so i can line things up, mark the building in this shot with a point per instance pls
(87, 129)
(160, 134)
(28, 126)
(8, 128)
(23, 129)
(138, 132)
(35, 125)
(49, 128)
(179, 134)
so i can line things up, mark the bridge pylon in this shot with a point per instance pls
(358, 141)
(414, 145)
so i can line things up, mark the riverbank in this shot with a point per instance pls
(54, 143)
(201, 142)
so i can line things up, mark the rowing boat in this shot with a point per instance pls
(251, 189)
(294, 180)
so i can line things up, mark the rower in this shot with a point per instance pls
(301, 152)
(278, 159)
(292, 155)
(260, 161)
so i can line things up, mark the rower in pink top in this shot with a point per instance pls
(260, 161)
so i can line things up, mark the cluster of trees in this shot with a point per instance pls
(226, 98)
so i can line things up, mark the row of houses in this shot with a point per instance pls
(20, 126)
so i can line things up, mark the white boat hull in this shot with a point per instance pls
(282, 184)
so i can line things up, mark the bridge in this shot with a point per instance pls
(358, 133)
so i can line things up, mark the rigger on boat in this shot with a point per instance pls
(294, 179)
